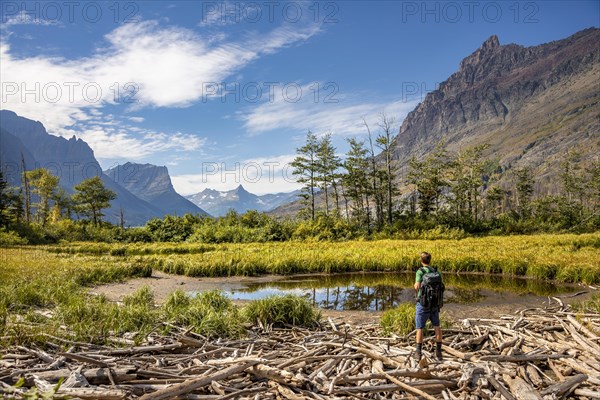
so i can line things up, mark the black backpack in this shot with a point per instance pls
(432, 289)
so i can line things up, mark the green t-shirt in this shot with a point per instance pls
(419, 277)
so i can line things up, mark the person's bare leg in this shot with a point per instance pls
(438, 342)
(420, 336)
(419, 348)
(438, 334)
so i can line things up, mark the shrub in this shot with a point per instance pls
(11, 238)
(282, 310)
(399, 320)
(210, 313)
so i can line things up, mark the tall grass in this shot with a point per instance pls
(210, 313)
(281, 311)
(565, 258)
(401, 320)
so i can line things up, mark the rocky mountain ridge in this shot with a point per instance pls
(152, 183)
(218, 203)
(531, 104)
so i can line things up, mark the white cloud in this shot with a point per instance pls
(259, 176)
(118, 144)
(110, 137)
(343, 117)
(136, 119)
(154, 65)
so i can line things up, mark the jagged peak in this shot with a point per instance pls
(488, 47)
(491, 43)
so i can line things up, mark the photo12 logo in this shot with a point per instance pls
(57, 12)
(68, 92)
(228, 12)
(248, 172)
(67, 171)
(470, 11)
(253, 92)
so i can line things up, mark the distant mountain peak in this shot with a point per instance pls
(152, 183)
(218, 203)
(491, 43)
(241, 189)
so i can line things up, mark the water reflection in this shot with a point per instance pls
(380, 291)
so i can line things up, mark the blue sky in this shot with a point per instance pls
(224, 92)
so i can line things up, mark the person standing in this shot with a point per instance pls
(430, 292)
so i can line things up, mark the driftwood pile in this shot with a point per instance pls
(537, 354)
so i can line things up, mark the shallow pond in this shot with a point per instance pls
(380, 291)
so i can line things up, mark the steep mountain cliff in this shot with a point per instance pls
(153, 184)
(12, 154)
(239, 199)
(71, 160)
(531, 104)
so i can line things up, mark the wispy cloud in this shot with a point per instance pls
(340, 115)
(112, 139)
(141, 65)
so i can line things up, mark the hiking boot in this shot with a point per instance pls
(438, 354)
(417, 355)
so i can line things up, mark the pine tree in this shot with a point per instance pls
(91, 197)
(328, 165)
(306, 168)
(356, 180)
(524, 190)
(467, 180)
(4, 201)
(429, 178)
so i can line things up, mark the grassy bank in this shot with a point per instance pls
(565, 258)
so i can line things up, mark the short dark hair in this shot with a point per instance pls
(425, 257)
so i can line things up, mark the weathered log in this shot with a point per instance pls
(591, 394)
(500, 388)
(279, 376)
(522, 358)
(94, 393)
(534, 376)
(521, 390)
(84, 358)
(96, 376)
(405, 386)
(564, 387)
(192, 384)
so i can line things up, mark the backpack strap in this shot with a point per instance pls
(429, 269)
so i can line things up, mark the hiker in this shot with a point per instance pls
(430, 293)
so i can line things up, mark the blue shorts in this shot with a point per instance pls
(423, 315)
